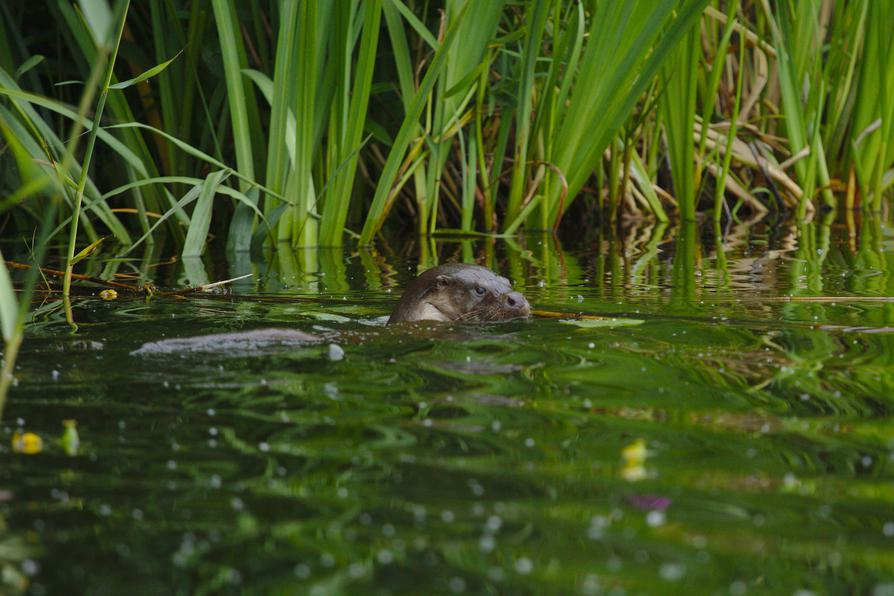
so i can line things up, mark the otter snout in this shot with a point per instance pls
(515, 301)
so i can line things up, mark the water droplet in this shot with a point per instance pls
(655, 518)
(385, 556)
(336, 353)
(524, 566)
(487, 543)
(672, 571)
(30, 567)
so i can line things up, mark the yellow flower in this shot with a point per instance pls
(27, 443)
(108, 294)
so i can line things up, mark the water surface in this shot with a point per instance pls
(737, 439)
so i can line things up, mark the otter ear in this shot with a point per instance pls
(442, 281)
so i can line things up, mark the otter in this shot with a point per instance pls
(458, 292)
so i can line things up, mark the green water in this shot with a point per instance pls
(472, 459)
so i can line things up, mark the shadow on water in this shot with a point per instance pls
(738, 437)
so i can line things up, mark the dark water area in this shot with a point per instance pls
(730, 433)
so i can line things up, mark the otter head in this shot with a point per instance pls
(459, 292)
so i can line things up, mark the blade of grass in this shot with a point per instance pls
(121, 15)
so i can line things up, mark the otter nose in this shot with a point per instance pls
(518, 302)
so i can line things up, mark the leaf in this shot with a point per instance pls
(28, 65)
(99, 19)
(9, 307)
(87, 251)
(416, 24)
(602, 323)
(146, 75)
(200, 221)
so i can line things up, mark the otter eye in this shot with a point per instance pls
(479, 290)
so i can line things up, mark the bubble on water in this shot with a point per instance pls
(493, 523)
(365, 518)
(447, 516)
(331, 390)
(487, 543)
(699, 541)
(213, 431)
(672, 572)
(886, 589)
(55, 374)
(388, 530)
(237, 504)
(385, 556)
(614, 563)
(496, 425)
(866, 461)
(888, 529)
(591, 585)
(335, 353)
(427, 422)
(172, 465)
(327, 560)
(496, 574)
(529, 442)
(105, 510)
(591, 345)
(457, 585)
(737, 588)
(804, 592)
(477, 509)
(524, 566)
(30, 567)
(656, 518)
(137, 514)
(301, 571)
(215, 481)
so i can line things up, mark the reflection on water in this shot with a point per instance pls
(739, 440)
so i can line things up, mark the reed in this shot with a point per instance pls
(322, 122)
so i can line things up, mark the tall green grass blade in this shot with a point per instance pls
(200, 222)
(336, 209)
(145, 76)
(88, 154)
(241, 105)
(628, 42)
(678, 104)
(378, 208)
(535, 25)
(9, 307)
